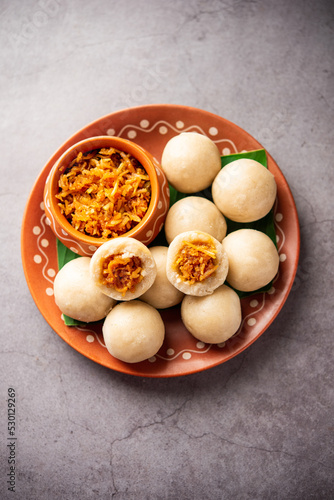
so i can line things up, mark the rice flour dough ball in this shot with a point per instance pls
(123, 268)
(77, 295)
(244, 190)
(133, 331)
(212, 319)
(196, 263)
(162, 293)
(194, 213)
(190, 161)
(253, 259)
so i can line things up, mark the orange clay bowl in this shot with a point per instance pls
(145, 231)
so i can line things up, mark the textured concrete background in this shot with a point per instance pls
(259, 426)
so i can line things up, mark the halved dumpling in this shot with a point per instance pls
(123, 268)
(196, 263)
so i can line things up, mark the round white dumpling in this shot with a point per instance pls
(253, 259)
(133, 331)
(190, 161)
(76, 294)
(194, 213)
(162, 293)
(214, 318)
(123, 268)
(244, 190)
(196, 263)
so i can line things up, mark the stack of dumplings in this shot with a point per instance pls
(126, 284)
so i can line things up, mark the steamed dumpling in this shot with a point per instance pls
(133, 331)
(213, 318)
(190, 161)
(162, 293)
(77, 295)
(195, 213)
(244, 190)
(123, 268)
(253, 259)
(196, 263)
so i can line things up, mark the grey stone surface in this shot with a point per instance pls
(259, 426)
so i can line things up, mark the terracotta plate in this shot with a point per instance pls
(152, 126)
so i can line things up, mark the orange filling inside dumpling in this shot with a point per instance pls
(123, 273)
(196, 261)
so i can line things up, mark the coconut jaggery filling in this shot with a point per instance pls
(196, 261)
(123, 273)
(104, 193)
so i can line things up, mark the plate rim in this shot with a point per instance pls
(128, 368)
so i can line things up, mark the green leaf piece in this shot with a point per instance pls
(175, 195)
(64, 254)
(257, 155)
